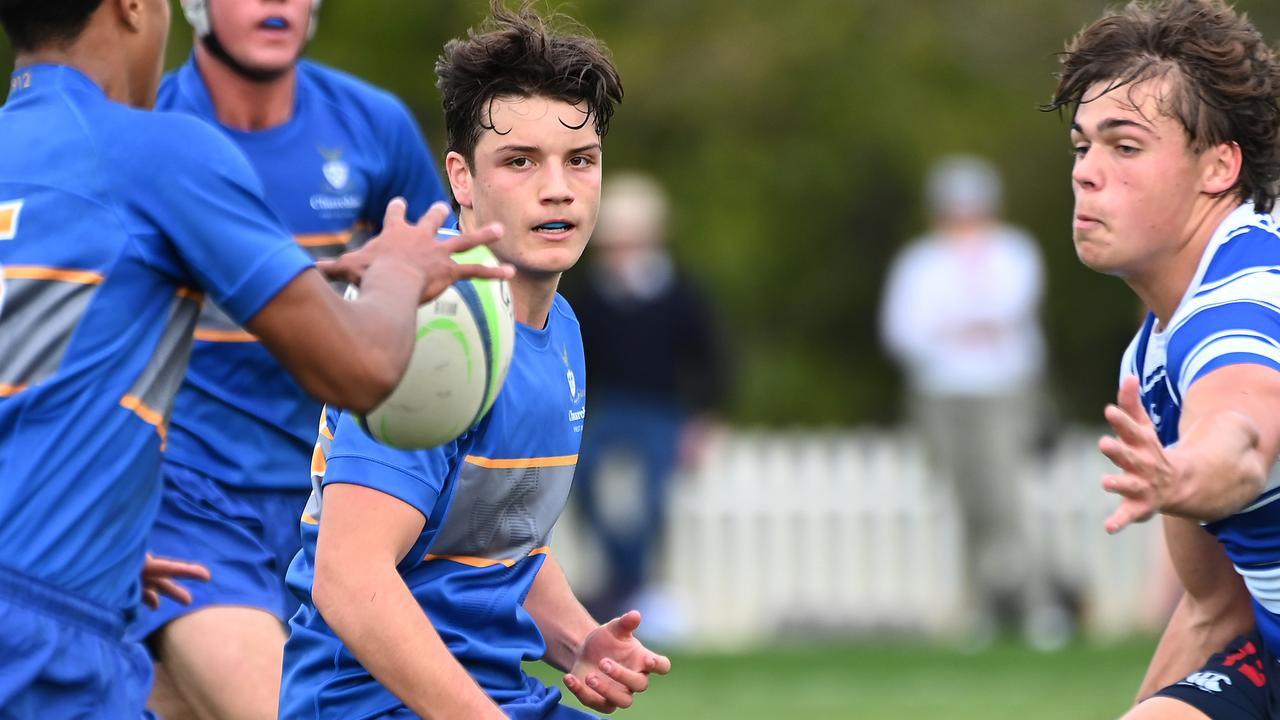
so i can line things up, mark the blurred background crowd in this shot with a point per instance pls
(846, 372)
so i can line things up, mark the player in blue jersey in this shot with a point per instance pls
(1176, 130)
(117, 221)
(426, 577)
(331, 151)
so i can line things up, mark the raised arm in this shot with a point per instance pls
(352, 354)
(364, 534)
(1229, 435)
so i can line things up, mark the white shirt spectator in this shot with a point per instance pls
(961, 314)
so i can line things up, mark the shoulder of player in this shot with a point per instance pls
(345, 92)
(561, 308)
(350, 442)
(166, 136)
(1241, 265)
(162, 146)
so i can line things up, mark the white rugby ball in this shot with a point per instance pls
(464, 340)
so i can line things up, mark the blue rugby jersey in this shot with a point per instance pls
(111, 219)
(329, 172)
(490, 499)
(1229, 315)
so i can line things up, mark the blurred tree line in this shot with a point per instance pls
(794, 138)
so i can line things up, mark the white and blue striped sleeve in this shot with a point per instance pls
(1216, 336)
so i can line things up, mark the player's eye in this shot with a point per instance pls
(1127, 150)
(1078, 151)
(520, 162)
(581, 161)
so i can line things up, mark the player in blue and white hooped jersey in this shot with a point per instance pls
(1176, 133)
(116, 222)
(427, 577)
(331, 152)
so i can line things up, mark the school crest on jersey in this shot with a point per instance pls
(568, 371)
(336, 171)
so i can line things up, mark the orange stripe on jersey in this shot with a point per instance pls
(9, 219)
(310, 519)
(322, 239)
(330, 238)
(148, 415)
(37, 272)
(6, 390)
(318, 461)
(483, 562)
(190, 294)
(225, 336)
(558, 461)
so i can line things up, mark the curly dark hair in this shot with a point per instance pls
(516, 53)
(1226, 78)
(32, 24)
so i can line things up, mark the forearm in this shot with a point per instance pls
(375, 615)
(1220, 468)
(1213, 610)
(563, 621)
(1191, 636)
(381, 323)
(350, 354)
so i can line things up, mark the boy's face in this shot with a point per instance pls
(1136, 179)
(538, 173)
(264, 35)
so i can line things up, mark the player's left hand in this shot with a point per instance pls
(1148, 476)
(158, 579)
(611, 665)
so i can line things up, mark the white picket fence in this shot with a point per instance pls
(843, 531)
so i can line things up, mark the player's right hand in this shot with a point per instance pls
(1147, 478)
(415, 246)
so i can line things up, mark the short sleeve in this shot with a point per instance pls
(204, 197)
(1234, 333)
(415, 477)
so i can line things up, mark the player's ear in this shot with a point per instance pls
(130, 12)
(1222, 164)
(460, 178)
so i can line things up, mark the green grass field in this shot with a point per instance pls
(890, 680)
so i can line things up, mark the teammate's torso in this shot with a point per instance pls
(1230, 314)
(328, 173)
(96, 325)
(504, 486)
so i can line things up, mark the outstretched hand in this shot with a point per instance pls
(158, 579)
(417, 246)
(1147, 476)
(612, 665)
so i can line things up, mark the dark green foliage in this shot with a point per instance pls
(794, 137)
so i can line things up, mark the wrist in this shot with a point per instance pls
(1178, 494)
(563, 654)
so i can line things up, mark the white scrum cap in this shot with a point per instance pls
(197, 13)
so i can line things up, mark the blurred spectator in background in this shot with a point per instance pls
(657, 375)
(960, 314)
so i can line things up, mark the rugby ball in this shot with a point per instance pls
(462, 349)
